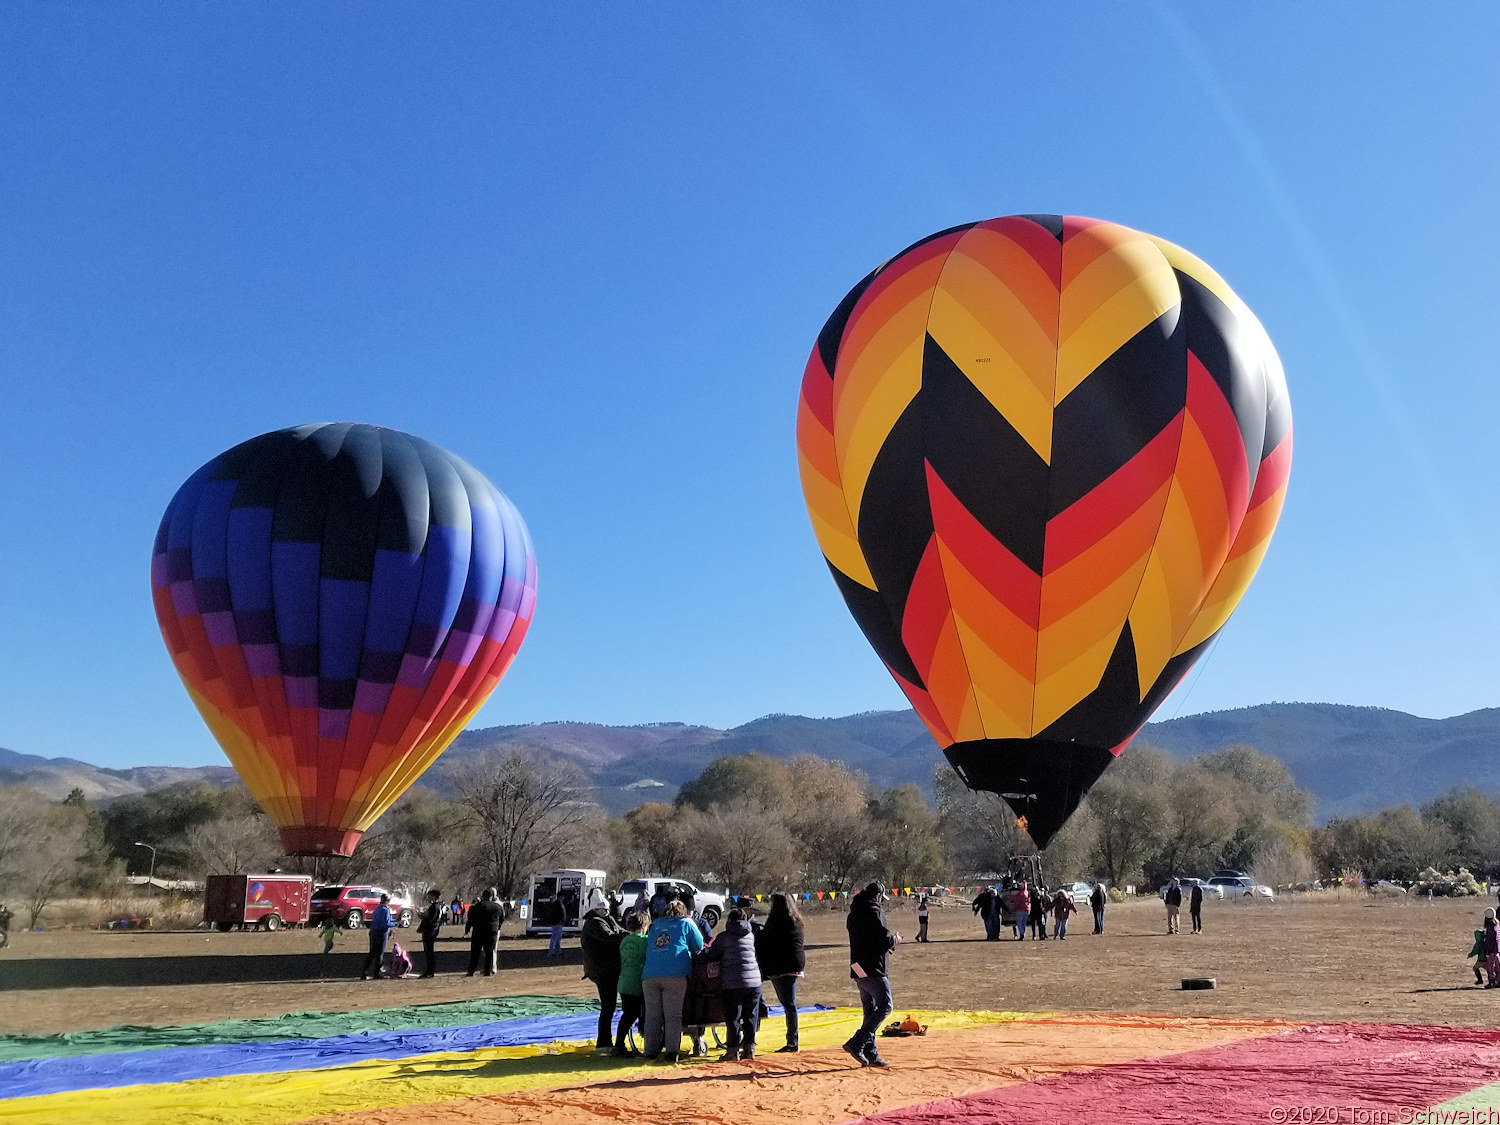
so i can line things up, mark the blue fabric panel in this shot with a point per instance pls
(294, 584)
(249, 537)
(341, 627)
(182, 1064)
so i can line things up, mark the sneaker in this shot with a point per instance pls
(875, 1060)
(789, 1049)
(730, 1056)
(671, 1057)
(747, 1056)
(620, 1053)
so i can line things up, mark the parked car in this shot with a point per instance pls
(1233, 886)
(1210, 890)
(1079, 892)
(707, 903)
(352, 906)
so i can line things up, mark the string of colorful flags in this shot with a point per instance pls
(896, 892)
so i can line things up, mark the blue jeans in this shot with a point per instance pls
(375, 954)
(875, 998)
(1098, 919)
(1060, 926)
(555, 949)
(1021, 917)
(992, 924)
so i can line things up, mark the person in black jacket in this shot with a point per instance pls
(870, 945)
(1195, 908)
(600, 939)
(1173, 899)
(985, 906)
(483, 925)
(781, 952)
(428, 927)
(1097, 899)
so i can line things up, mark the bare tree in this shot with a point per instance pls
(233, 844)
(524, 813)
(660, 837)
(43, 848)
(744, 846)
(830, 821)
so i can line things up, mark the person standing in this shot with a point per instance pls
(1062, 906)
(781, 951)
(427, 929)
(985, 903)
(1097, 899)
(1023, 909)
(739, 985)
(1491, 949)
(1041, 905)
(380, 930)
(600, 939)
(1173, 899)
(1195, 908)
(549, 913)
(330, 932)
(632, 960)
(483, 926)
(870, 945)
(670, 945)
(922, 913)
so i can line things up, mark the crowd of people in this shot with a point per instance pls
(1029, 907)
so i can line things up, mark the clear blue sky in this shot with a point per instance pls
(587, 247)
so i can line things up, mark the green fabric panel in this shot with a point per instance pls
(1483, 1105)
(293, 1025)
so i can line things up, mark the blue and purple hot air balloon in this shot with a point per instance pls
(339, 599)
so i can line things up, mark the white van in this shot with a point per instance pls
(570, 887)
(706, 903)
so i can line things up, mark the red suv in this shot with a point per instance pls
(352, 906)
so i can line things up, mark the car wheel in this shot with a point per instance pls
(354, 920)
(271, 922)
(405, 920)
(711, 916)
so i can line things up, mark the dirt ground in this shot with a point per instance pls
(1310, 957)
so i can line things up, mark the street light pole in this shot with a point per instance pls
(152, 876)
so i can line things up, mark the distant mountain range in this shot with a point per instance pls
(1353, 759)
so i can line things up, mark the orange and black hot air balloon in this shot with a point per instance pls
(1043, 457)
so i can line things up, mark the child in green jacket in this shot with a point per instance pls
(632, 959)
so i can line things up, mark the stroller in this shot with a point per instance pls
(703, 1007)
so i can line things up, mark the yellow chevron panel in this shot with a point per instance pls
(1112, 299)
(1171, 592)
(1003, 694)
(1015, 376)
(1203, 273)
(1234, 578)
(861, 427)
(828, 510)
(1069, 660)
(276, 793)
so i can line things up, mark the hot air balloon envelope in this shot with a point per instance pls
(339, 600)
(1043, 457)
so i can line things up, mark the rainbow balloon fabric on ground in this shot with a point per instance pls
(339, 600)
(528, 1060)
(1043, 457)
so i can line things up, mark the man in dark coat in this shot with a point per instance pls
(428, 927)
(1097, 900)
(483, 924)
(1195, 908)
(1173, 899)
(870, 945)
(986, 906)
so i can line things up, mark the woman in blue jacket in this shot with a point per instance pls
(670, 945)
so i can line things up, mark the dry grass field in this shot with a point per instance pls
(1309, 957)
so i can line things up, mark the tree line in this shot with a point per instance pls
(755, 823)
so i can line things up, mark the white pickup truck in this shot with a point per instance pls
(706, 903)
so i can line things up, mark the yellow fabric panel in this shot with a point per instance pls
(1203, 273)
(886, 382)
(1002, 694)
(1207, 498)
(302, 1095)
(1171, 592)
(1234, 579)
(815, 442)
(1069, 684)
(947, 679)
(1061, 642)
(829, 512)
(995, 340)
(260, 772)
(1111, 299)
(970, 722)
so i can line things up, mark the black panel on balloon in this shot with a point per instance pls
(833, 329)
(1053, 224)
(874, 620)
(1114, 413)
(895, 519)
(1039, 778)
(1215, 335)
(984, 461)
